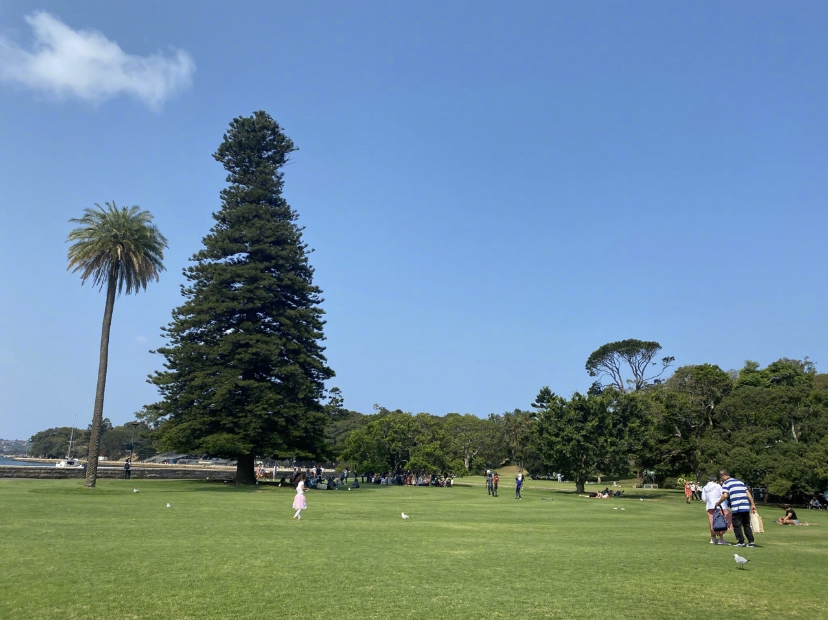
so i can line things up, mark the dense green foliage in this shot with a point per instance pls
(124, 250)
(244, 369)
(394, 441)
(769, 426)
(225, 552)
(588, 435)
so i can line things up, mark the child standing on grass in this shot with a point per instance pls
(299, 503)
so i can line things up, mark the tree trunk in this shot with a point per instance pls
(103, 360)
(579, 485)
(245, 473)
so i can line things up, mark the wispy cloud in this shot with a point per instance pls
(86, 65)
(141, 339)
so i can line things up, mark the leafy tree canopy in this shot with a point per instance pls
(587, 435)
(610, 359)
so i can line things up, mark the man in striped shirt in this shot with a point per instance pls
(741, 505)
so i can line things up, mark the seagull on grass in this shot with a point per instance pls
(169, 505)
(405, 516)
(135, 490)
(740, 561)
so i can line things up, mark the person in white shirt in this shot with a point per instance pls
(711, 493)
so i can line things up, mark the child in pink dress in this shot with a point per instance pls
(299, 503)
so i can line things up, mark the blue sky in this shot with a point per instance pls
(493, 190)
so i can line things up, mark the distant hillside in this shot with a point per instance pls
(13, 446)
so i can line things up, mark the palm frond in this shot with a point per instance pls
(120, 242)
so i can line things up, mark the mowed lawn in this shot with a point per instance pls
(222, 552)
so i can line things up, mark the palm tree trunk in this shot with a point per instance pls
(97, 413)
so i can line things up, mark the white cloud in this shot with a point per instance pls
(87, 65)
(140, 339)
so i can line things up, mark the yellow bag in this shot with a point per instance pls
(756, 523)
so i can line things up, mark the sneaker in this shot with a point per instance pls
(712, 542)
(723, 542)
(751, 545)
(740, 545)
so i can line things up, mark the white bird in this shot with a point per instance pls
(134, 490)
(740, 560)
(623, 509)
(405, 516)
(616, 508)
(169, 505)
(640, 499)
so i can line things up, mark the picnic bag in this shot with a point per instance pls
(719, 521)
(756, 523)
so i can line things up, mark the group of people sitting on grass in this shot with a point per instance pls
(606, 494)
(408, 479)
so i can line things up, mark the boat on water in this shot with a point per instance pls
(70, 462)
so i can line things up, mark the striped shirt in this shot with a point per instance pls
(737, 495)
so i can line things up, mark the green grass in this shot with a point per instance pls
(228, 553)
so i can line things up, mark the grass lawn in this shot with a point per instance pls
(229, 553)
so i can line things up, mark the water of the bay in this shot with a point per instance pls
(5, 461)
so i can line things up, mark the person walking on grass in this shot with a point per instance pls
(494, 483)
(127, 468)
(711, 493)
(687, 491)
(490, 483)
(299, 503)
(741, 505)
(518, 485)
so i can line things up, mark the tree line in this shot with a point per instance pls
(116, 442)
(768, 424)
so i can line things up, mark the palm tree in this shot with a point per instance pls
(122, 249)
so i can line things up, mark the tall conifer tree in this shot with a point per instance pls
(245, 368)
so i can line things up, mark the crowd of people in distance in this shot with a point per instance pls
(315, 477)
(408, 478)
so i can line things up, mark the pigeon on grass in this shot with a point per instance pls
(740, 561)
